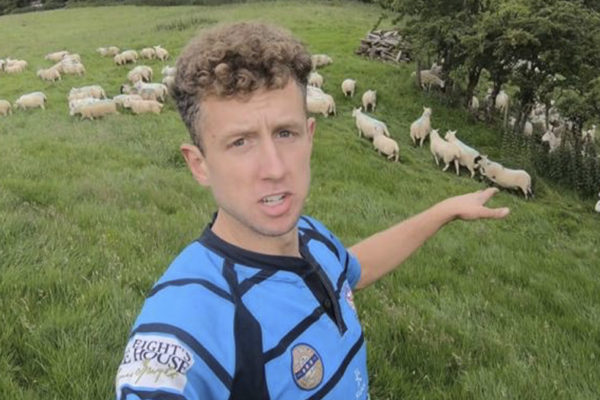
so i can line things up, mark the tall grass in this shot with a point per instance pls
(92, 212)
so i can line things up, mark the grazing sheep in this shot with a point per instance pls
(506, 177)
(369, 98)
(31, 100)
(161, 91)
(501, 103)
(73, 69)
(589, 134)
(368, 126)
(169, 71)
(50, 74)
(56, 56)
(143, 106)
(98, 109)
(348, 87)
(76, 104)
(429, 79)
(71, 58)
(123, 98)
(15, 66)
(140, 73)
(527, 128)
(94, 91)
(125, 57)
(169, 82)
(436, 69)
(161, 54)
(319, 60)
(421, 127)
(468, 155)
(2, 64)
(386, 145)
(315, 79)
(448, 152)
(5, 108)
(108, 51)
(148, 52)
(320, 104)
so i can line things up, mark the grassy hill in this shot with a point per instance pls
(92, 212)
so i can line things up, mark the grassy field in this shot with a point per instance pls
(92, 212)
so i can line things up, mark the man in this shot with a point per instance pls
(260, 306)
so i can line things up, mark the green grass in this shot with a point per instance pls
(92, 212)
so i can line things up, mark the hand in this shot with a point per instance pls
(472, 206)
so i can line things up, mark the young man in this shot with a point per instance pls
(260, 306)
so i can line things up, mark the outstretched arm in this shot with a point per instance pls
(384, 251)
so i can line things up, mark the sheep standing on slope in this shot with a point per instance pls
(448, 152)
(143, 106)
(319, 102)
(125, 57)
(501, 104)
(319, 60)
(5, 108)
(429, 79)
(348, 87)
(97, 109)
(148, 52)
(315, 79)
(469, 157)
(421, 127)
(597, 208)
(56, 56)
(369, 98)
(386, 145)
(474, 104)
(31, 100)
(369, 126)
(109, 51)
(553, 140)
(506, 177)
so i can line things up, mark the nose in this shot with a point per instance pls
(271, 160)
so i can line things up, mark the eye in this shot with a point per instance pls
(285, 133)
(238, 142)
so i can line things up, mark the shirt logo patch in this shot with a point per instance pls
(349, 296)
(155, 361)
(307, 367)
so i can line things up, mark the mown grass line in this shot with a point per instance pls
(92, 212)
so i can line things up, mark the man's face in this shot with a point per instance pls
(256, 161)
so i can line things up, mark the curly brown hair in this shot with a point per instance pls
(235, 60)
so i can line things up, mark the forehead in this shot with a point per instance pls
(263, 107)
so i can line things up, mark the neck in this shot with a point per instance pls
(240, 235)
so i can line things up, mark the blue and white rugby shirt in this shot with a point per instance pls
(227, 323)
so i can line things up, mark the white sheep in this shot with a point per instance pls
(50, 74)
(527, 128)
(71, 58)
(589, 134)
(5, 108)
(386, 145)
(73, 69)
(474, 104)
(161, 54)
(95, 91)
(501, 103)
(348, 87)
(469, 157)
(125, 57)
(15, 66)
(161, 91)
(597, 208)
(108, 51)
(369, 126)
(56, 56)
(31, 100)
(123, 98)
(98, 109)
(552, 139)
(169, 82)
(75, 104)
(143, 106)
(169, 71)
(421, 127)
(369, 98)
(140, 73)
(320, 103)
(429, 79)
(315, 79)
(448, 152)
(506, 177)
(319, 60)
(148, 52)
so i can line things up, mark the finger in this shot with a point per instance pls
(497, 213)
(488, 193)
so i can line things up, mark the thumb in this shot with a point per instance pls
(497, 213)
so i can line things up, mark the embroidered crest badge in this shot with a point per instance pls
(349, 296)
(307, 366)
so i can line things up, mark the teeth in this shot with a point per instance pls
(272, 199)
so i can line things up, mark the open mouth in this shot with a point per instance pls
(274, 199)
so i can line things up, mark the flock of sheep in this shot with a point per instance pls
(449, 149)
(140, 95)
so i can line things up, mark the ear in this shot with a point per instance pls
(311, 124)
(196, 162)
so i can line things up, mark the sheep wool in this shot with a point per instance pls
(448, 152)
